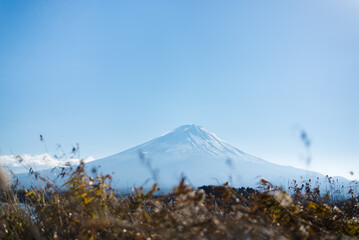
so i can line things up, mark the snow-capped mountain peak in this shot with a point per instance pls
(191, 140)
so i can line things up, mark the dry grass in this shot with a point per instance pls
(88, 208)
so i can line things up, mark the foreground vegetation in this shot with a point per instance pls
(88, 208)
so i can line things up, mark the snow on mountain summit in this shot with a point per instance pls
(200, 139)
(190, 138)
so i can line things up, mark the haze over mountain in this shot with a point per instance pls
(201, 157)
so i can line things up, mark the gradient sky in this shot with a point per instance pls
(113, 74)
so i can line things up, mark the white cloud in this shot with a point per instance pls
(20, 164)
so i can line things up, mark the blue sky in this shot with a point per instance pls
(113, 74)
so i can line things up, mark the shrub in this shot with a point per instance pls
(87, 207)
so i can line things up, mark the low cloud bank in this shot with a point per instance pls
(22, 163)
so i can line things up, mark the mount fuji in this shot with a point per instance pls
(201, 157)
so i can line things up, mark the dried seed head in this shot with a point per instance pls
(4, 179)
(283, 198)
